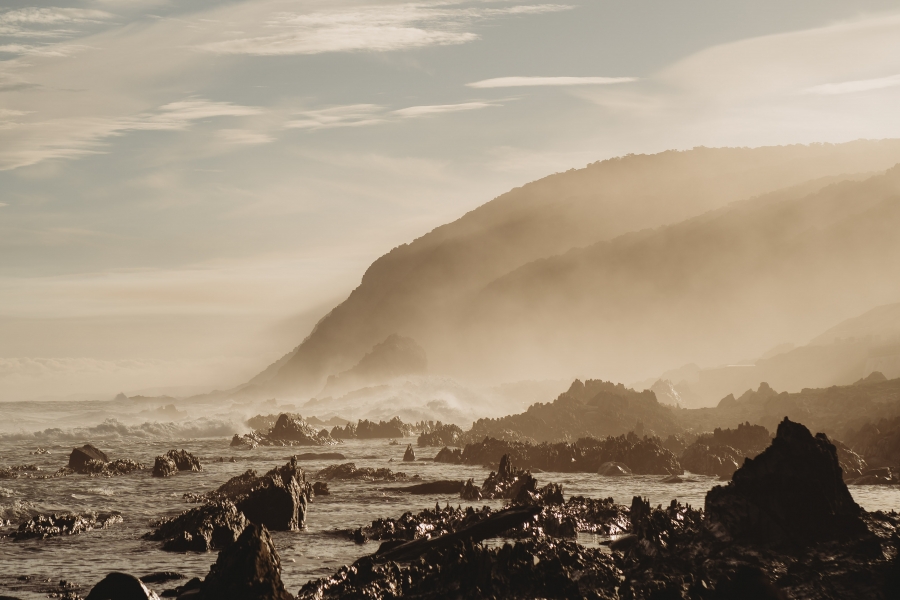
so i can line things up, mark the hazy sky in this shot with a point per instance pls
(187, 186)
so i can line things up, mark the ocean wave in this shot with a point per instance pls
(114, 429)
(6, 493)
(17, 510)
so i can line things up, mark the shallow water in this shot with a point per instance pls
(314, 552)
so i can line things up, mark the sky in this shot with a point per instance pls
(186, 187)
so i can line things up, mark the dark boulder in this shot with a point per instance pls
(470, 492)
(320, 488)
(410, 454)
(508, 482)
(80, 457)
(121, 586)
(173, 461)
(249, 569)
(320, 456)
(791, 493)
(212, 526)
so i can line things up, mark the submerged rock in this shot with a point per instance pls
(249, 569)
(349, 471)
(410, 454)
(793, 492)
(49, 525)
(444, 486)
(173, 461)
(121, 586)
(320, 456)
(80, 457)
(212, 526)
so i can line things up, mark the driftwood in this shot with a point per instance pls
(476, 532)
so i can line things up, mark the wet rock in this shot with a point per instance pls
(120, 466)
(321, 456)
(297, 431)
(277, 500)
(410, 454)
(791, 493)
(320, 488)
(17, 471)
(212, 526)
(507, 482)
(434, 487)
(40, 451)
(349, 471)
(440, 434)
(530, 569)
(249, 569)
(80, 457)
(243, 442)
(470, 492)
(613, 469)
(852, 464)
(173, 461)
(446, 455)
(120, 586)
(49, 525)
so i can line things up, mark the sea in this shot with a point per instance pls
(141, 431)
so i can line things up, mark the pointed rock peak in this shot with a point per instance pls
(249, 569)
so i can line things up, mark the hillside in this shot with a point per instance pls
(420, 289)
(713, 288)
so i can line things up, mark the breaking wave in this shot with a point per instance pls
(114, 429)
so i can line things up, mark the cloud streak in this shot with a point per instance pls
(373, 29)
(358, 115)
(851, 87)
(507, 82)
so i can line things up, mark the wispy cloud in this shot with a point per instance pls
(373, 28)
(434, 109)
(48, 21)
(505, 82)
(357, 115)
(850, 87)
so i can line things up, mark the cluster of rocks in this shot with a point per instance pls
(368, 430)
(287, 431)
(642, 455)
(89, 460)
(439, 434)
(49, 525)
(278, 500)
(173, 461)
(31, 472)
(349, 471)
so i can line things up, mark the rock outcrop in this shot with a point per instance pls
(369, 430)
(173, 461)
(447, 455)
(721, 461)
(277, 499)
(349, 471)
(50, 525)
(287, 431)
(249, 569)
(410, 454)
(792, 493)
(80, 457)
(439, 434)
(213, 526)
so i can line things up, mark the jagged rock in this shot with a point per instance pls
(287, 428)
(121, 586)
(243, 442)
(720, 460)
(508, 482)
(211, 526)
(320, 488)
(120, 466)
(446, 455)
(80, 457)
(410, 454)
(470, 492)
(791, 493)
(368, 430)
(349, 471)
(613, 469)
(852, 464)
(537, 568)
(249, 569)
(173, 461)
(277, 499)
(49, 525)
(440, 435)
